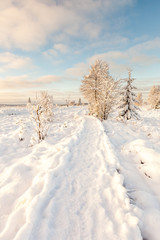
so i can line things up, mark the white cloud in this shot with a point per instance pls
(57, 48)
(145, 46)
(78, 70)
(108, 56)
(14, 82)
(136, 56)
(61, 47)
(12, 61)
(28, 24)
(47, 79)
(24, 82)
(144, 60)
(50, 53)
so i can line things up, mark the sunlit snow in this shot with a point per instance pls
(86, 180)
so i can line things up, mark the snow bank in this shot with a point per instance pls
(137, 145)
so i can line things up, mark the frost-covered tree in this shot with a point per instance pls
(154, 97)
(127, 103)
(98, 89)
(90, 90)
(139, 100)
(41, 115)
(108, 96)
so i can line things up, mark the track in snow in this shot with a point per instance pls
(80, 195)
(89, 201)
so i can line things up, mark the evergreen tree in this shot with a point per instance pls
(127, 105)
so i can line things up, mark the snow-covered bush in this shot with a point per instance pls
(154, 97)
(98, 89)
(127, 103)
(41, 115)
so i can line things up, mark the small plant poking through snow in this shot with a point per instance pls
(22, 130)
(41, 115)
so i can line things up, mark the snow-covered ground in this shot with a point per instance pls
(137, 147)
(86, 180)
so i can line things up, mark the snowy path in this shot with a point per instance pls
(68, 191)
(89, 200)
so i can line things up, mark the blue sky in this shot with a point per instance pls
(50, 44)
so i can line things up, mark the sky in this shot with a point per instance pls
(49, 45)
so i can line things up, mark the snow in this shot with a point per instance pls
(86, 180)
(137, 145)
